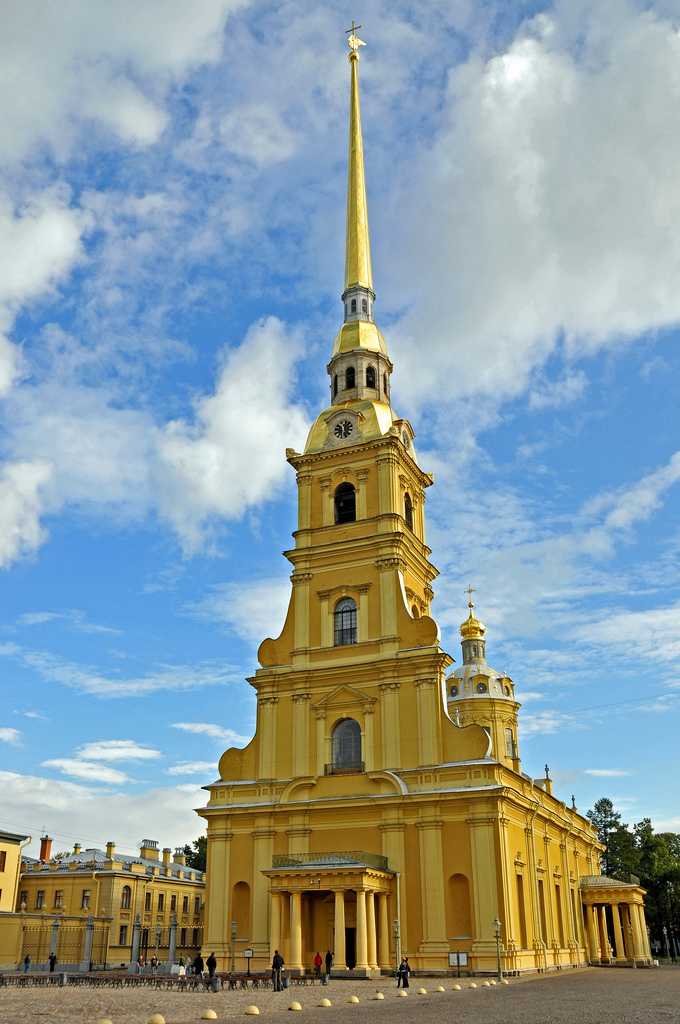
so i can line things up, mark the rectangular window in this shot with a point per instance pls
(509, 745)
(522, 912)
(194, 940)
(58, 898)
(122, 939)
(147, 901)
(173, 903)
(185, 904)
(183, 937)
(39, 899)
(560, 919)
(197, 904)
(3, 858)
(541, 908)
(161, 901)
(24, 897)
(85, 904)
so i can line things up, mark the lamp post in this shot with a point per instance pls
(665, 942)
(497, 934)
(159, 929)
(233, 946)
(632, 940)
(395, 929)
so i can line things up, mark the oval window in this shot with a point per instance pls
(481, 688)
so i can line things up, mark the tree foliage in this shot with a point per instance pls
(654, 857)
(197, 853)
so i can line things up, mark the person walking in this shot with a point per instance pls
(403, 972)
(329, 962)
(53, 962)
(27, 963)
(198, 966)
(211, 964)
(277, 967)
(317, 964)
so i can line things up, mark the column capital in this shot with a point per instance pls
(298, 578)
(425, 684)
(388, 687)
(304, 479)
(267, 702)
(368, 709)
(301, 698)
(389, 564)
(433, 823)
(319, 713)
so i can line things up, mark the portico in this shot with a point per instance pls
(331, 902)
(607, 899)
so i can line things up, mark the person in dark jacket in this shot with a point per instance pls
(198, 966)
(403, 973)
(53, 960)
(211, 964)
(277, 967)
(329, 961)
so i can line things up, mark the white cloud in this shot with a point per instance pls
(214, 732)
(252, 608)
(90, 771)
(72, 812)
(193, 768)
(258, 134)
(12, 736)
(605, 773)
(23, 489)
(560, 392)
(75, 618)
(54, 669)
(548, 216)
(117, 750)
(213, 467)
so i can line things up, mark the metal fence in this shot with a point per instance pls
(343, 858)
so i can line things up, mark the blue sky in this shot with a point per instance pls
(172, 188)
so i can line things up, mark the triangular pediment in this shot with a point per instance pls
(344, 695)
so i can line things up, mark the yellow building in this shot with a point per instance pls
(380, 808)
(126, 899)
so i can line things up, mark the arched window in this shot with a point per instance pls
(370, 377)
(385, 383)
(347, 745)
(125, 894)
(335, 385)
(408, 512)
(345, 504)
(345, 622)
(354, 305)
(364, 306)
(350, 380)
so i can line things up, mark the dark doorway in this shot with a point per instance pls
(350, 948)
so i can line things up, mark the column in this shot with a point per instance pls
(296, 932)
(263, 841)
(368, 748)
(217, 903)
(300, 737)
(327, 511)
(637, 938)
(626, 932)
(304, 501)
(393, 847)
(618, 934)
(172, 950)
(326, 620)
(134, 956)
(275, 925)
(390, 593)
(602, 928)
(340, 964)
(643, 931)
(55, 935)
(362, 615)
(484, 885)
(361, 933)
(431, 887)
(300, 581)
(320, 740)
(362, 477)
(372, 938)
(427, 701)
(510, 913)
(384, 959)
(266, 728)
(285, 929)
(389, 715)
(592, 937)
(87, 951)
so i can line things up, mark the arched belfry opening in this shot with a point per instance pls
(345, 503)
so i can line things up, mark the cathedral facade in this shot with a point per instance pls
(380, 810)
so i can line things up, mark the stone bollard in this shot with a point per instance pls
(216, 984)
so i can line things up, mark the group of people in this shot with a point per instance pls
(186, 967)
(278, 965)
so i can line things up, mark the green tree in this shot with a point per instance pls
(197, 853)
(619, 857)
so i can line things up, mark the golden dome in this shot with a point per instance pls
(472, 628)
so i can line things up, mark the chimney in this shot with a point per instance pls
(180, 857)
(76, 848)
(45, 848)
(149, 849)
(110, 847)
(166, 856)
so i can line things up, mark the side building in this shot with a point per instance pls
(154, 894)
(381, 808)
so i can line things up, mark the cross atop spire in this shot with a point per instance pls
(354, 42)
(470, 592)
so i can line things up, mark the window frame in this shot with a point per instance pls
(125, 897)
(345, 622)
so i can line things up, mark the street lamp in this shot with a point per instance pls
(159, 929)
(497, 933)
(233, 946)
(395, 929)
(632, 940)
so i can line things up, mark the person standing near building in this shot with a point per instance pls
(403, 972)
(27, 963)
(277, 967)
(317, 964)
(329, 962)
(182, 966)
(53, 961)
(198, 966)
(211, 964)
(154, 963)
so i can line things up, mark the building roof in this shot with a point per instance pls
(11, 837)
(604, 882)
(85, 860)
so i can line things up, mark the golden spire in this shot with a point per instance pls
(472, 628)
(357, 245)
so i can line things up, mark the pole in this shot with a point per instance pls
(498, 955)
(233, 947)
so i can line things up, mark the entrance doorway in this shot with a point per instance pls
(350, 948)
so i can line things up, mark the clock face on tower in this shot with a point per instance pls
(343, 429)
